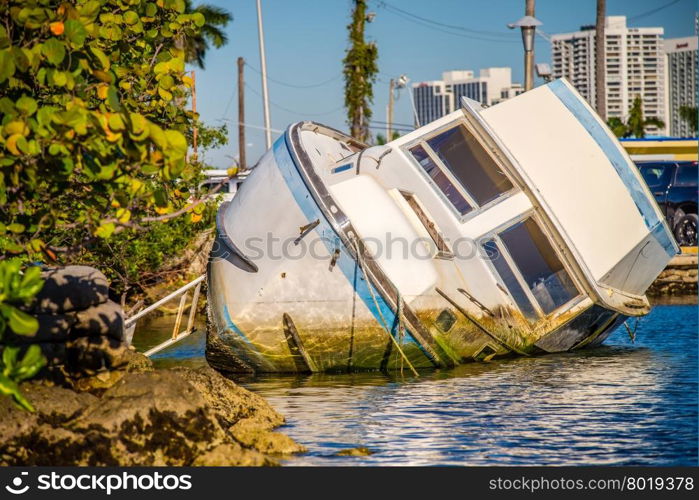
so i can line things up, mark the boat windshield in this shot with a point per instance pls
(469, 162)
(441, 180)
(537, 269)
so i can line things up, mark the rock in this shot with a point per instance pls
(232, 455)
(153, 418)
(231, 402)
(360, 451)
(251, 435)
(106, 319)
(70, 288)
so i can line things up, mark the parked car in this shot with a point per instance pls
(674, 185)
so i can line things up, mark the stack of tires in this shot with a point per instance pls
(81, 331)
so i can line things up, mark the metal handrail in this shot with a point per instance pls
(166, 299)
(130, 323)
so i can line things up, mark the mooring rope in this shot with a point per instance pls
(376, 304)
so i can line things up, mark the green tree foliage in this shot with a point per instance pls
(636, 123)
(93, 129)
(16, 289)
(381, 139)
(360, 69)
(689, 115)
(211, 32)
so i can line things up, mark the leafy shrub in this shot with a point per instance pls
(93, 134)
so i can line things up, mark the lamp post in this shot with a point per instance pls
(528, 26)
(394, 84)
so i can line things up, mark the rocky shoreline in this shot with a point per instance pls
(98, 402)
(148, 417)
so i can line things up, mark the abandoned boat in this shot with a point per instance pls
(518, 229)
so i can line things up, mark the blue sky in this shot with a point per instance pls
(306, 41)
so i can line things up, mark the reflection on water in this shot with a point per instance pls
(623, 403)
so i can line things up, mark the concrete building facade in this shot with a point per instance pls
(635, 66)
(434, 99)
(681, 59)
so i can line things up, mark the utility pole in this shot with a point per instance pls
(195, 132)
(389, 119)
(529, 54)
(263, 68)
(241, 115)
(600, 70)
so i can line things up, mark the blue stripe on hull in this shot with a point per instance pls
(597, 131)
(346, 263)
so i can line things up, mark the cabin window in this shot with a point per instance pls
(441, 180)
(539, 266)
(443, 250)
(469, 162)
(493, 252)
(533, 274)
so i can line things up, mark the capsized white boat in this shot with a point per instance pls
(518, 229)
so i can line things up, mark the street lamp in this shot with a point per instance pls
(543, 70)
(528, 26)
(395, 84)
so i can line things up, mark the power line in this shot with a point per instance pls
(382, 3)
(379, 122)
(294, 86)
(302, 113)
(652, 11)
(248, 125)
(435, 25)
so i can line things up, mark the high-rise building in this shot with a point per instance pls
(437, 98)
(634, 64)
(682, 88)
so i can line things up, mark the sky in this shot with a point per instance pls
(306, 41)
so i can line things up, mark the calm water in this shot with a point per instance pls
(621, 404)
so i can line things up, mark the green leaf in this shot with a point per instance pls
(199, 19)
(7, 65)
(138, 123)
(26, 105)
(9, 358)
(10, 388)
(166, 82)
(101, 57)
(16, 227)
(30, 364)
(75, 32)
(54, 51)
(116, 122)
(113, 98)
(20, 322)
(176, 141)
(157, 135)
(130, 17)
(105, 230)
(4, 40)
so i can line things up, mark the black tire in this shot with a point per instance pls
(686, 230)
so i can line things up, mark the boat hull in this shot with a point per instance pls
(289, 292)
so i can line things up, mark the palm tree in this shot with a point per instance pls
(689, 115)
(216, 18)
(635, 124)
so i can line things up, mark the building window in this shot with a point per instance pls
(472, 166)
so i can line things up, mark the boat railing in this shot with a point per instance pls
(177, 335)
